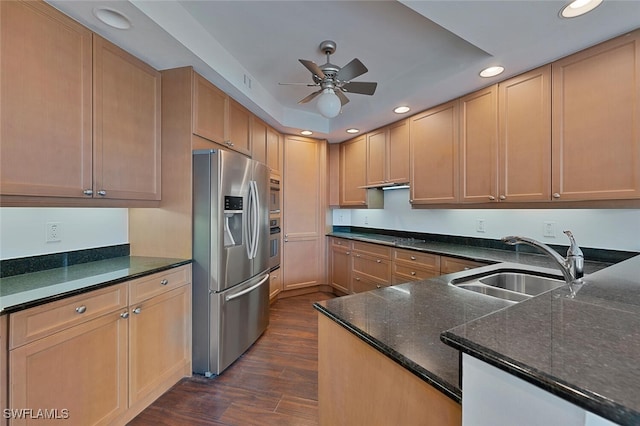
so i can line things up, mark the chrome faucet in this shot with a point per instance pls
(572, 266)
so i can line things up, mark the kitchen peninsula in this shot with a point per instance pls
(399, 330)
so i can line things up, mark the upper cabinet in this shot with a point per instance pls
(78, 118)
(388, 155)
(219, 118)
(275, 152)
(258, 140)
(434, 155)
(353, 176)
(596, 122)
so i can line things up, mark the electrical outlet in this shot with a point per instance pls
(53, 232)
(481, 225)
(549, 229)
(366, 220)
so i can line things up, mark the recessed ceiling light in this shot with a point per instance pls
(579, 7)
(353, 130)
(491, 71)
(112, 18)
(401, 109)
(306, 132)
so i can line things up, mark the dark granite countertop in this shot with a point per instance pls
(25, 290)
(583, 349)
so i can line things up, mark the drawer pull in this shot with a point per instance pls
(378, 260)
(413, 273)
(124, 315)
(378, 286)
(137, 310)
(102, 193)
(164, 282)
(81, 309)
(348, 253)
(357, 279)
(413, 258)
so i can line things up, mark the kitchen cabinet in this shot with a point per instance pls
(357, 384)
(79, 118)
(275, 152)
(258, 140)
(596, 122)
(434, 155)
(4, 382)
(340, 265)
(411, 265)
(388, 155)
(275, 284)
(371, 266)
(353, 176)
(303, 218)
(449, 265)
(104, 355)
(219, 118)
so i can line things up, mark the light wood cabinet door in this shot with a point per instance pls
(45, 102)
(479, 146)
(126, 127)
(275, 284)
(159, 341)
(397, 157)
(353, 172)
(239, 128)
(303, 251)
(4, 366)
(210, 110)
(82, 369)
(376, 157)
(434, 155)
(524, 110)
(258, 140)
(274, 151)
(449, 265)
(596, 122)
(340, 265)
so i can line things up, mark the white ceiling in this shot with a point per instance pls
(421, 53)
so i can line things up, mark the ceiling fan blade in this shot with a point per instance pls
(342, 97)
(298, 84)
(361, 87)
(311, 66)
(309, 97)
(352, 70)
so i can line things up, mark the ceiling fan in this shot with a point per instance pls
(334, 82)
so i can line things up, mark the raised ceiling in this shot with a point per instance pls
(421, 53)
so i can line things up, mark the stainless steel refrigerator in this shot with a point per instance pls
(231, 257)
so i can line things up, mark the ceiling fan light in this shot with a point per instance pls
(329, 104)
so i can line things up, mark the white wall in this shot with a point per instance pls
(598, 228)
(22, 230)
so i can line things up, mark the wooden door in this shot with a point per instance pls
(397, 163)
(340, 266)
(479, 146)
(159, 342)
(210, 110)
(45, 102)
(376, 157)
(596, 122)
(303, 254)
(126, 127)
(239, 128)
(353, 172)
(274, 151)
(258, 140)
(82, 369)
(524, 110)
(434, 155)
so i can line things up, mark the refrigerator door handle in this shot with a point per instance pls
(246, 290)
(249, 222)
(256, 219)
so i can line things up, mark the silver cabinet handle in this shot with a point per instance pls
(413, 273)
(164, 282)
(102, 193)
(357, 279)
(124, 315)
(556, 195)
(88, 192)
(286, 240)
(81, 309)
(378, 286)
(413, 258)
(378, 260)
(502, 197)
(348, 253)
(492, 198)
(137, 310)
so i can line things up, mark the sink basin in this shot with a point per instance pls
(509, 285)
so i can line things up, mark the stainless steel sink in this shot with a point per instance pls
(514, 286)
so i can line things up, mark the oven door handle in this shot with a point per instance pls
(246, 290)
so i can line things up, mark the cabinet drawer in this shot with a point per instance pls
(339, 242)
(372, 249)
(361, 283)
(152, 285)
(373, 267)
(413, 272)
(420, 260)
(41, 321)
(449, 265)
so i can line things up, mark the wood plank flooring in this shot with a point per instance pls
(274, 383)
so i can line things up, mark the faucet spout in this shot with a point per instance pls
(572, 266)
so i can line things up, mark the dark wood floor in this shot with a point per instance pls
(274, 383)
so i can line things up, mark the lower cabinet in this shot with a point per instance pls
(3, 366)
(101, 357)
(449, 265)
(411, 265)
(275, 284)
(340, 265)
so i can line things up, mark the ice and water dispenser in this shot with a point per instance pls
(232, 221)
